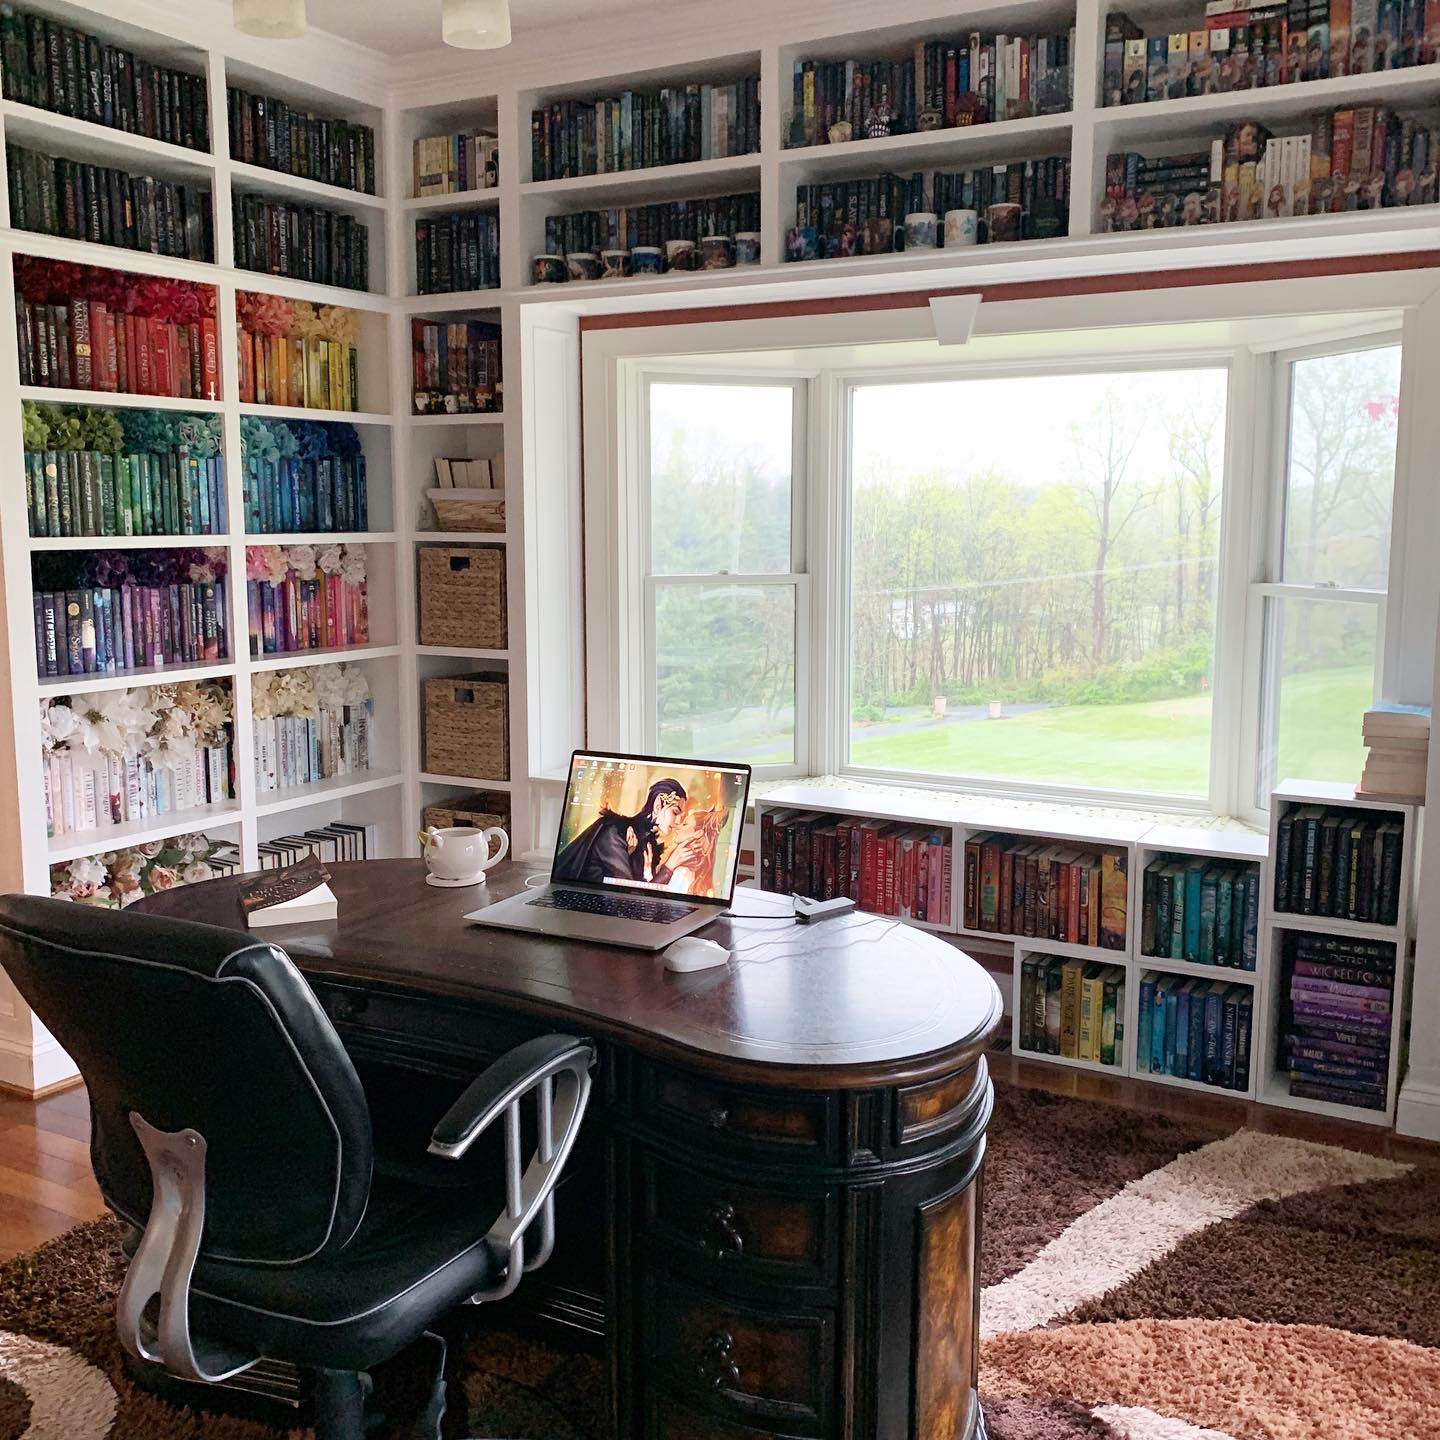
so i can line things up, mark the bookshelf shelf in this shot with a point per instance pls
(100, 144)
(1198, 971)
(451, 302)
(133, 679)
(479, 418)
(340, 787)
(299, 412)
(315, 293)
(44, 395)
(488, 199)
(1274, 1092)
(1034, 945)
(1117, 1071)
(333, 655)
(1177, 1082)
(468, 781)
(460, 653)
(1005, 140)
(261, 180)
(1161, 120)
(127, 542)
(1334, 925)
(460, 537)
(140, 832)
(692, 179)
(326, 537)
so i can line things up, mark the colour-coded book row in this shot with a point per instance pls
(1337, 1019)
(266, 131)
(83, 345)
(1045, 889)
(453, 164)
(625, 227)
(1194, 1029)
(291, 750)
(103, 631)
(290, 495)
(635, 130)
(77, 494)
(1072, 1008)
(303, 242)
(306, 613)
(1337, 862)
(457, 252)
(308, 373)
(84, 792)
(336, 841)
(1201, 910)
(887, 867)
(56, 67)
(79, 201)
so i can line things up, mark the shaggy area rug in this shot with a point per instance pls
(1143, 1280)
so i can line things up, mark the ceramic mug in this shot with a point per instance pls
(747, 247)
(550, 269)
(647, 260)
(616, 263)
(680, 254)
(584, 265)
(460, 854)
(961, 228)
(717, 252)
(920, 230)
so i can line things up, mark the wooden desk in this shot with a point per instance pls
(774, 1216)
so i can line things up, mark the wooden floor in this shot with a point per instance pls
(46, 1184)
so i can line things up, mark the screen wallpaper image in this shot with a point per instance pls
(651, 825)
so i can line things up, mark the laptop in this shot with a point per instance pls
(647, 852)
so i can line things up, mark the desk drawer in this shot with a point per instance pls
(740, 1363)
(667, 1419)
(739, 1232)
(799, 1125)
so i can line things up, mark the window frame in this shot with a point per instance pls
(1267, 582)
(1237, 483)
(796, 579)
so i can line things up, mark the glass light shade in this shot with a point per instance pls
(476, 24)
(270, 19)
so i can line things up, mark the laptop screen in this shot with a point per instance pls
(652, 824)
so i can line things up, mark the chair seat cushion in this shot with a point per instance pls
(418, 1252)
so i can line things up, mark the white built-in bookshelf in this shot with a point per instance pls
(1141, 843)
(404, 101)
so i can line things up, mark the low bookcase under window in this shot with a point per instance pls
(1071, 1010)
(1338, 938)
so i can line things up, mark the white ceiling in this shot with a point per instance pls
(401, 27)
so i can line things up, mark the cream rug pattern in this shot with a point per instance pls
(1142, 1280)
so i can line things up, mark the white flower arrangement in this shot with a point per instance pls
(337, 686)
(127, 723)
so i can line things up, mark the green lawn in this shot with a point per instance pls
(1161, 745)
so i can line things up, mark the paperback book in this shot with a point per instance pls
(457, 252)
(456, 367)
(1072, 1008)
(303, 242)
(1200, 910)
(1195, 1029)
(1344, 863)
(265, 131)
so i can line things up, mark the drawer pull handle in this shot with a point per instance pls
(719, 1117)
(716, 1366)
(347, 1007)
(725, 1238)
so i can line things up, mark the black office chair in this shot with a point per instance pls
(231, 1130)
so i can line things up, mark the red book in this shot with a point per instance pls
(1073, 932)
(869, 855)
(332, 611)
(209, 360)
(952, 85)
(144, 372)
(1005, 914)
(195, 368)
(945, 898)
(247, 367)
(133, 348)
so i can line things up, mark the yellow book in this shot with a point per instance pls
(1070, 977)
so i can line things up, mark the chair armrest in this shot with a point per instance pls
(556, 1070)
(501, 1084)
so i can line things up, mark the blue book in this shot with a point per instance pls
(102, 634)
(1194, 874)
(1244, 1017)
(1214, 1024)
(1157, 1027)
(1227, 1037)
(199, 495)
(292, 492)
(1251, 934)
(1195, 1048)
(1182, 1029)
(1172, 1027)
(1144, 1020)
(362, 499)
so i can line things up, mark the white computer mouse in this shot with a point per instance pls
(690, 952)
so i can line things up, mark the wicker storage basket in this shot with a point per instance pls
(482, 511)
(462, 596)
(467, 726)
(482, 809)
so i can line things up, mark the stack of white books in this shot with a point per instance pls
(1399, 740)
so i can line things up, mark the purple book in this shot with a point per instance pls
(1312, 985)
(1330, 1010)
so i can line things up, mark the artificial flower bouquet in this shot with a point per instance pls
(296, 353)
(303, 475)
(117, 878)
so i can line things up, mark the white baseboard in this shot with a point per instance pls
(1418, 1111)
(32, 1067)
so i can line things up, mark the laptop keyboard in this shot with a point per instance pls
(626, 907)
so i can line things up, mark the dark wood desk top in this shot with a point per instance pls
(850, 1003)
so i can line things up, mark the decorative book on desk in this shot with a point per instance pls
(298, 894)
(315, 905)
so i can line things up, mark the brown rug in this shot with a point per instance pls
(1144, 1280)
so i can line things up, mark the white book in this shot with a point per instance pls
(313, 906)
(497, 471)
(89, 815)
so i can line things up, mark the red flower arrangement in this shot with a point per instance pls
(54, 282)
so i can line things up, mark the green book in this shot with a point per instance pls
(35, 493)
(109, 507)
(124, 495)
(50, 464)
(1209, 906)
(84, 462)
(1224, 915)
(65, 495)
(145, 465)
(1110, 1019)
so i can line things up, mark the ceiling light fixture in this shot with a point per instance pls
(476, 24)
(270, 19)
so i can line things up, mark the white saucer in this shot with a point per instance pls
(442, 884)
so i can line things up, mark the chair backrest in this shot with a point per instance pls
(194, 1026)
